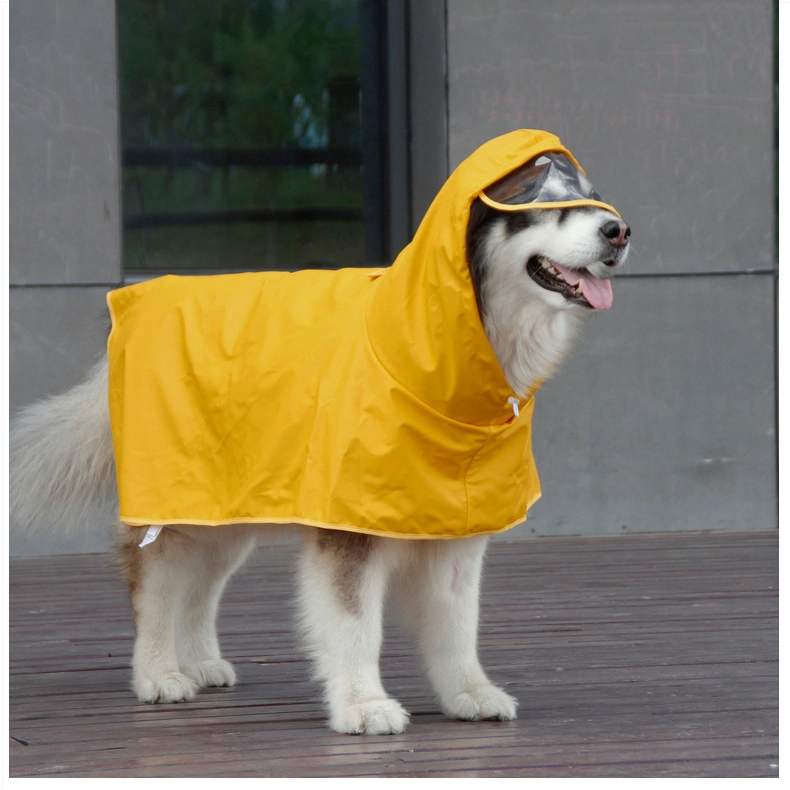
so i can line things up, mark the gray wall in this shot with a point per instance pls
(664, 418)
(64, 241)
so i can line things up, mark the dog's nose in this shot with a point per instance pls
(617, 232)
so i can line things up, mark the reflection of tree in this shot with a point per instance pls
(227, 73)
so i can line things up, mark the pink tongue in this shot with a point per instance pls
(597, 292)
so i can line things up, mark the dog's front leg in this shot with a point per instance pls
(343, 582)
(442, 595)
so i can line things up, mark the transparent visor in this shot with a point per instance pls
(550, 180)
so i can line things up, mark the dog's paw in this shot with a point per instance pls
(169, 687)
(372, 717)
(481, 703)
(211, 673)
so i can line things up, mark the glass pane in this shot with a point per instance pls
(240, 127)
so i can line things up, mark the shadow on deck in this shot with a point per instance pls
(638, 656)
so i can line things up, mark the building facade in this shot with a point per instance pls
(665, 416)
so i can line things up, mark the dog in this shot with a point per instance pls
(532, 272)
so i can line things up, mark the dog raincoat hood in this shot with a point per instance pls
(362, 400)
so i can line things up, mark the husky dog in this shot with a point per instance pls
(522, 266)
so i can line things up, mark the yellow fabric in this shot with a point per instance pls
(560, 204)
(361, 400)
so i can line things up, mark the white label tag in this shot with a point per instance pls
(151, 535)
(514, 403)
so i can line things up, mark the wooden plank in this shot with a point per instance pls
(631, 656)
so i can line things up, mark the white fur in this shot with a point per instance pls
(439, 595)
(61, 458)
(345, 644)
(176, 649)
(61, 461)
(530, 329)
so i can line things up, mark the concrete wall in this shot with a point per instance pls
(65, 250)
(664, 418)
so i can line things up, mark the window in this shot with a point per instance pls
(253, 138)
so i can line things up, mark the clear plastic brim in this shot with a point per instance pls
(549, 180)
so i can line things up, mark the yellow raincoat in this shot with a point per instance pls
(360, 400)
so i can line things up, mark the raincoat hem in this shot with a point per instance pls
(139, 522)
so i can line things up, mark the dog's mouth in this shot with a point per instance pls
(576, 285)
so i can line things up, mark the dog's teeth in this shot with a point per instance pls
(544, 263)
(579, 289)
(552, 270)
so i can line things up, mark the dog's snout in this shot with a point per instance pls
(617, 232)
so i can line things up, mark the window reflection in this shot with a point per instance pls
(241, 134)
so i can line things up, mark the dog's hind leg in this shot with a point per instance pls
(440, 592)
(172, 641)
(343, 581)
(157, 589)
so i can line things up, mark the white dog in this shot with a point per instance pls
(536, 274)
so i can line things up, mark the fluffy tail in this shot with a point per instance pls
(61, 466)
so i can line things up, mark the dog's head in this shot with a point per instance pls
(564, 256)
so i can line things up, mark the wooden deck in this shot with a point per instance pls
(637, 656)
